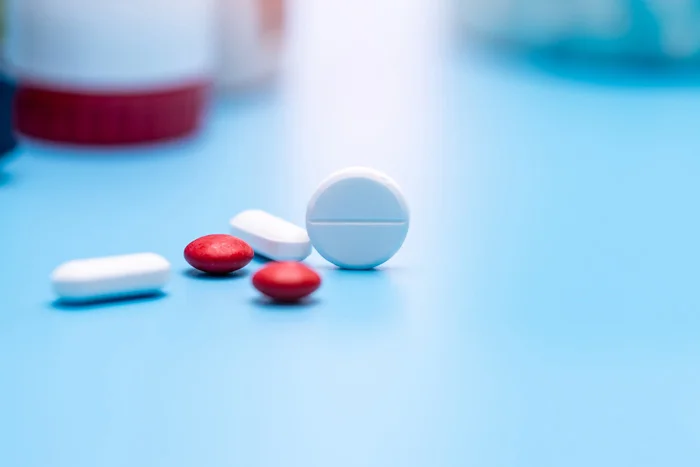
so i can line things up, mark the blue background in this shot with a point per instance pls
(543, 312)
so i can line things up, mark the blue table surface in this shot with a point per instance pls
(544, 310)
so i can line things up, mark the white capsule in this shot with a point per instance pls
(270, 236)
(110, 277)
(358, 218)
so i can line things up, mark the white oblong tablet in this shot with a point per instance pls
(110, 277)
(270, 236)
(358, 218)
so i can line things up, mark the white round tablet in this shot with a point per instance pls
(358, 218)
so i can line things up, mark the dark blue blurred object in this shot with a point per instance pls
(7, 137)
(657, 32)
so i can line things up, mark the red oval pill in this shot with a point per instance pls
(286, 281)
(218, 254)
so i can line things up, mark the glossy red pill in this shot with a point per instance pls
(286, 281)
(218, 254)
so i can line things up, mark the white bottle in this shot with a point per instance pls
(110, 71)
(250, 41)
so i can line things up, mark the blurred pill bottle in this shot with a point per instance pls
(640, 30)
(110, 72)
(250, 42)
(7, 138)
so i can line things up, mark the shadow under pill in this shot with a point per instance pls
(203, 276)
(268, 304)
(261, 259)
(81, 306)
(378, 271)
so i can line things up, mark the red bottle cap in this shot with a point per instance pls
(109, 119)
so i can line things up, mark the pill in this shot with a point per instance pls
(270, 236)
(357, 218)
(110, 277)
(218, 254)
(287, 281)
